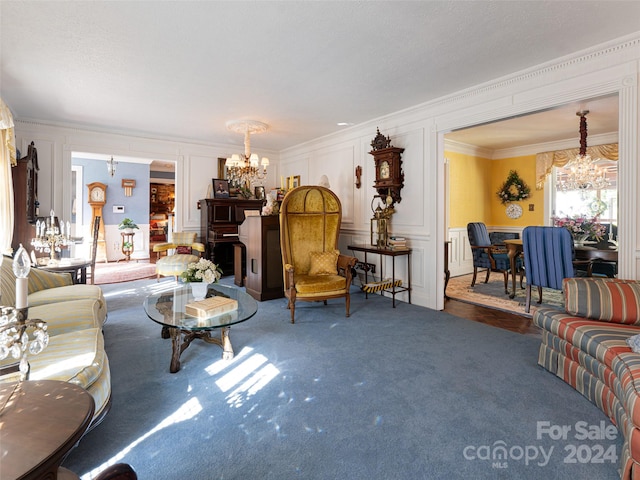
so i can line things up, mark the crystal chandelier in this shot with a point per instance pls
(111, 166)
(244, 169)
(583, 171)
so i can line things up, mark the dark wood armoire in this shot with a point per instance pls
(25, 198)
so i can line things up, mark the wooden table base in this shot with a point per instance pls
(181, 339)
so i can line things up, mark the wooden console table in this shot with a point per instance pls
(41, 421)
(393, 290)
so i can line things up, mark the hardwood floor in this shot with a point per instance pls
(490, 316)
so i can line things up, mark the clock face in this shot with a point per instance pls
(514, 211)
(384, 170)
(97, 195)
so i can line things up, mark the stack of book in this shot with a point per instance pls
(397, 243)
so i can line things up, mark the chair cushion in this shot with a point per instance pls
(181, 249)
(320, 284)
(174, 264)
(324, 263)
(69, 316)
(77, 357)
(53, 296)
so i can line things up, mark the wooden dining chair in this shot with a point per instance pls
(94, 248)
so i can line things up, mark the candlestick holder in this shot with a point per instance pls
(14, 338)
(50, 238)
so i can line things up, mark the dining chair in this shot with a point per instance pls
(485, 255)
(95, 230)
(548, 259)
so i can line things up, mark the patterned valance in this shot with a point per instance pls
(547, 160)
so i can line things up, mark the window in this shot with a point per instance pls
(602, 202)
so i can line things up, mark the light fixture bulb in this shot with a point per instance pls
(21, 263)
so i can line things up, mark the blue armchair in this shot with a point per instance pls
(486, 255)
(548, 259)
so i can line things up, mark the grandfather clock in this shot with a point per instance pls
(97, 197)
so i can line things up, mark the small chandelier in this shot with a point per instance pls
(111, 166)
(583, 172)
(244, 169)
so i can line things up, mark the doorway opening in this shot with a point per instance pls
(480, 158)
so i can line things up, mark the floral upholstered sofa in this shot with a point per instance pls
(589, 347)
(74, 315)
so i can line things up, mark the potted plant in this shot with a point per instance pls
(127, 225)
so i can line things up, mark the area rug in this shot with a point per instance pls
(123, 272)
(492, 294)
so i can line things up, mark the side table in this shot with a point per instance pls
(127, 244)
(41, 421)
(388, 252)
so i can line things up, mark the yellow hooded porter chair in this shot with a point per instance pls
(314, 269)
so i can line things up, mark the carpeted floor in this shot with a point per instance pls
(404, 393)
(492, 294)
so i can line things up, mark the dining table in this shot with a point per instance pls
(586, 253)
(514, 248)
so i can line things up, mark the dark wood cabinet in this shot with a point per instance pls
(263, 279)
(219, 220)
(25, 198)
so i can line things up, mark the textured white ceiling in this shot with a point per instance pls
(182, 69)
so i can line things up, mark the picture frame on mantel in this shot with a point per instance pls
(220, 188)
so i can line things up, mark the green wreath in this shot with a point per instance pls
(513, 189)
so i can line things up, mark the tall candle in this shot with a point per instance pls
(21, 267)
(22, 288)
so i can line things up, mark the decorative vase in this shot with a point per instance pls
(580, 238)
(199, 290)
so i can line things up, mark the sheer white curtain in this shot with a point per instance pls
(7, 160)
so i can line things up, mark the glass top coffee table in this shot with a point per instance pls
(167, 307)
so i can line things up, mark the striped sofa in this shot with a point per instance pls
(586, 346)
(75, 315)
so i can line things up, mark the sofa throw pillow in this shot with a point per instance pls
(634, 343)
(605, 299)
(324, 263)
(183, 249)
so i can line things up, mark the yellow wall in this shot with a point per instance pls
(473, 183)
(526, 168)
(469, 197)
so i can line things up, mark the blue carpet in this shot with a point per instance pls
(404, 393)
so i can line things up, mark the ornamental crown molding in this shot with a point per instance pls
(628, 43)
(524, 150)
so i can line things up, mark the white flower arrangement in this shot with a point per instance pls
(202, 271)
(272, 207)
